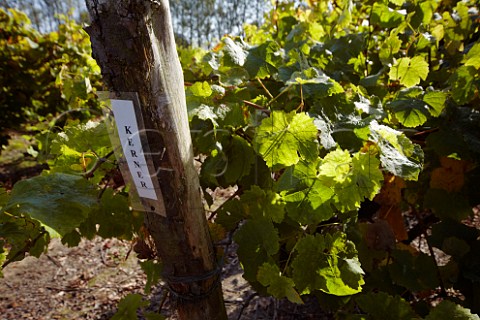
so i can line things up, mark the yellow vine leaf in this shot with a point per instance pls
(450, 176)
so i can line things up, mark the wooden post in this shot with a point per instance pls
(133, 42)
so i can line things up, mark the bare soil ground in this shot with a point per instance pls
(88, 281)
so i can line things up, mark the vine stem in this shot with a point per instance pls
(245, 304)
(439, 275)
(214, 213)
(369, 38)
(256, 106)
(265, 88)
(98, 164)
(25, 249)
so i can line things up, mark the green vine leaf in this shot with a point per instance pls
(386, 17)
(463, 84)
(61, 202)
(153, 270)
(310, 205)
(128, 306)
(409, 71)
(279, 286)
(413, 107)
(263, 203)
(413, 272)
(447, 205)
(352, 178)
(234, 53)
(398, 154)
(472, 58)
(447, 310)
(383, 306)
(263, 60)
(201, 89)
(257, 241)
(285, 138)
(328, 263)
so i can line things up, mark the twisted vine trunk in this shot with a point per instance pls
(133, 42)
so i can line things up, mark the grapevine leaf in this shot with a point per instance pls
(383, 306)
(153, 271)
(463, 84)
(325, 128)
(398, 154)
(234, 76)
(436, 101)
(472, 58)
(263, 203)
(75, 150)
(257, 241)
(20, 234)
(424, 13)
(4, 196)
(79, 137)
(412, 107)
(455, 247)
(201, 89)
(61, 202)
(389, 48)
(410, 112)
(279, 286)
(450, 176)
(327, 263)
(452, 229)
(127, 307)
(336, 165)
(367, 175)
(413, 272)
(311, 205)
(241, 157)
(308, 199)
(114, 217)
(285, 138)
(426, 40)
(72, 239)
(299, 176)
(315, 83)
(409, 71)
(352, 179)
(205, 112)
(234, 117)
(234, 52)
(3, 256)
(447, 310)
(447, 205)
(230, 214)
(386, 17)
(263, 60)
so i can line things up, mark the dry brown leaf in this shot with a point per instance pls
(391, 192)
(393, 216)
(450, 176)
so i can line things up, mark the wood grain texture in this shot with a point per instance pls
(133, 42)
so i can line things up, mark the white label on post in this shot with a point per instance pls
(127, 127)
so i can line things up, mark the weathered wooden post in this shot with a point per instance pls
(133, 42)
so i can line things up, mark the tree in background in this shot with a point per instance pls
(196, 23)
(201, 22)
(44, 14)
